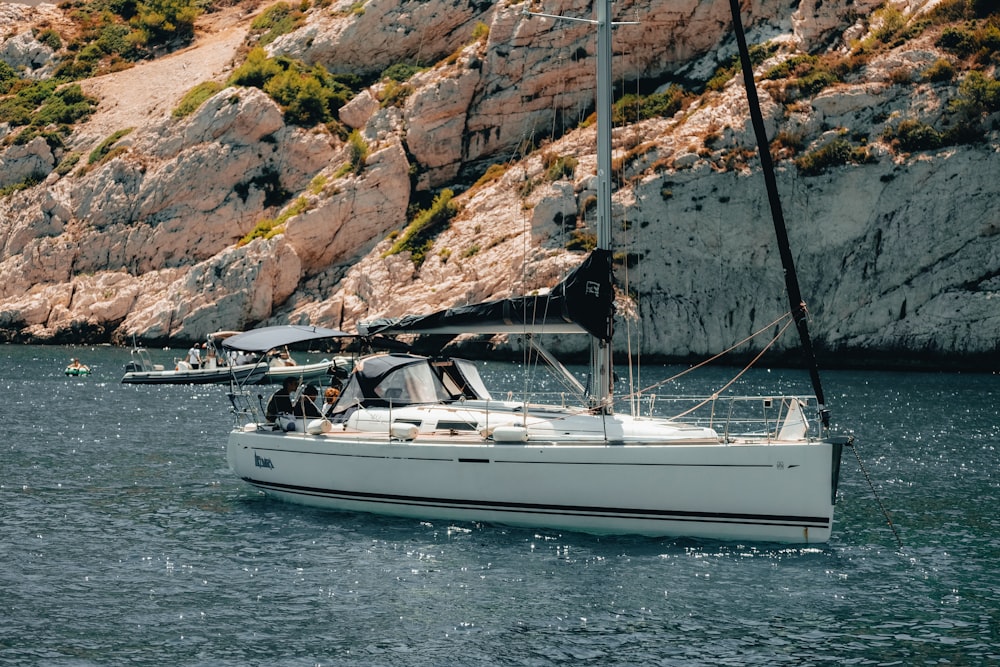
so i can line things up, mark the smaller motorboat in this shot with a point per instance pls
(223, 369)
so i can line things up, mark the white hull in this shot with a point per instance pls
(243, 374)
(248, 374)
(782, 492)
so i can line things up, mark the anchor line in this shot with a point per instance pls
(885, 513)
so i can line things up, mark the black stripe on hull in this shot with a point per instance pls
(500, 459)
(552, 510)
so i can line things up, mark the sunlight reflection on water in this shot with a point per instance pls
(125, 539)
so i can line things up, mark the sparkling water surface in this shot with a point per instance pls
(125, 540)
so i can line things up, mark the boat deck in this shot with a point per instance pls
(473, 438)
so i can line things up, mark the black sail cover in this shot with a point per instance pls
(582, 303)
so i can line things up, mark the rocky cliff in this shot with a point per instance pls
(897, 240)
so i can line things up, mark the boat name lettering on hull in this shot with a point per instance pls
(262, 462)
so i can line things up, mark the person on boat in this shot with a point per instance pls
(330, 397)
(243, 358)
(282, 405)
(282, 359)
(281, 400)
(210, 359)
(307, 403)
(194, 357)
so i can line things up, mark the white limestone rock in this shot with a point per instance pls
(897, 253)
(815, 20)
(359, 110)
(358, 213)
(25, 53)
(384, 33)
(18, 163)
(436, 121)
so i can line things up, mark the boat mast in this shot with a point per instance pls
(601, 363)
(795, 301)
(601, 398)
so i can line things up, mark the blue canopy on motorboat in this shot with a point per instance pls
(268, 338)
(582, 303)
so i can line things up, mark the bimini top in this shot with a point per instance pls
(268, 338)
(407, 379)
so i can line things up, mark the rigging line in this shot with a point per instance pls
(559, 89)
(885, 513)
(627, 243)
(526, 354)
(726, 386)
(722, 354)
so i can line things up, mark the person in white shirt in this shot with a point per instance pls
(210, 360)
(194, 356)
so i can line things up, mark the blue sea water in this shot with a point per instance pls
(125, 540)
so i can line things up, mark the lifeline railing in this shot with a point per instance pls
(778, 417)
(730, 416)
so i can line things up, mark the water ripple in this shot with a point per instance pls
(125, 540)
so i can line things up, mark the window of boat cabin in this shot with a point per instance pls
(350, 396)
(415, 383)
(453, 385)
(462, 379)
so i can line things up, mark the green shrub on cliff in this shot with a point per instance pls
(8, 77)
(630, 108)
(836, 152)
(277, 20)
(807, 74)
(358, 150)
(105, 150)
(49, 38)
(29, 182)
(256, 70)
(195, 97)
(731, 66)
(111, 34)
(307, 95)
(558, 167)
(419, 235)
(912, 135)
(978, 95)
(44, 109)
(161, 21)
(269, 227)
(65, 106)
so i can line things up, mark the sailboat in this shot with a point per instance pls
(423, 437)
